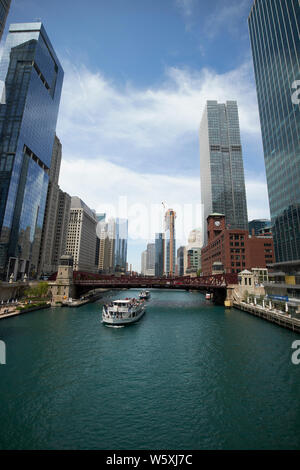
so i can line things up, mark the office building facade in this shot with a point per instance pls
(274, 35)
(49, 225)
(143, 262)
(4, 9)
(180, 260)
(81, 237)
(121, 240)
(233, 250)
(33, 79)
(159, 254)
(221, 165)
(106, 236)
(170, 243)
(259, 225)
(150, 260)
(61, 228)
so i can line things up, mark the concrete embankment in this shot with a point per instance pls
(281, 319)
(85, 300)
(13, 313)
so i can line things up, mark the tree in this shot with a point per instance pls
(38, 291)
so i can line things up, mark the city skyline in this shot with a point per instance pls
(183, 75)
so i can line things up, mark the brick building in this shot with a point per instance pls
(234, 248)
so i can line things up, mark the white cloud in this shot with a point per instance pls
(97, 116)
(121, 192)
(226, 16)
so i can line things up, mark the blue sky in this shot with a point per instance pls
(137, 75)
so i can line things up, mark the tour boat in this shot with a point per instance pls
(145, 294)
(123, 312)
(208, 296)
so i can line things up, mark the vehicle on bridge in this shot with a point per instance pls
(123, 312)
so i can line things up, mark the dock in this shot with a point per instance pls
(280, 319)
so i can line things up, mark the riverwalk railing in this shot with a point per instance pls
(281, 319)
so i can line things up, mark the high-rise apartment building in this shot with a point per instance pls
(221, 165)
(81, 238)
(170, 243)
(33, 79)
(274, 33)
(4, 9)
(159, 254)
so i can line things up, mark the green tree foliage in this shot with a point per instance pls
(39, 291)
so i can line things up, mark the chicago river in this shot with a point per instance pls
(188, 375)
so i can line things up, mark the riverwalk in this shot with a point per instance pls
(12, 311)
(273, 316)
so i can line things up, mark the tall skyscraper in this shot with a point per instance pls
(144, 262)
(106, 236)
(33, 78)
(61, 228)
(81, 238)
(121, 237)
(180, 260)
(274, 34)
(159, 254)
(221, 165)
(48, 232)
(113, 236)
(4, 9)
(170, 243)
(150, 260)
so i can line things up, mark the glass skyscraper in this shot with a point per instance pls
(274, 33)
(221, 165)
(33, 78)
(4, 9)
(170, 243)
(120, 244)
(159, 254)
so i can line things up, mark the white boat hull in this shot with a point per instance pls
(108, 320)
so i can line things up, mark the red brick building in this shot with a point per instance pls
(234, 248)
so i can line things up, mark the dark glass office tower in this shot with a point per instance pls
(221, 165)
(159, 254)
(274, 33)
(120, 248)
(4, 9)
(33, 78)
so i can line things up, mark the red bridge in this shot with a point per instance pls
(218, 281)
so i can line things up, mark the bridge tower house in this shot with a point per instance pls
(63, 288)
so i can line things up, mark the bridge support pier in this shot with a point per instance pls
(229, 296)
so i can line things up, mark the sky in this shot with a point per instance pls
(137, 77)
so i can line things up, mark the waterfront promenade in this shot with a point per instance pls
(274, 316)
